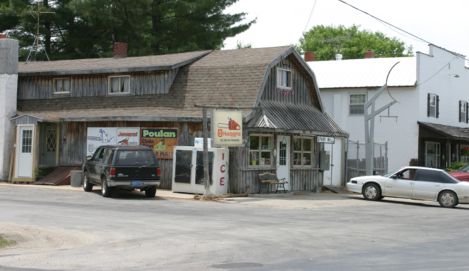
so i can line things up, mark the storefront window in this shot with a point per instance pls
(464, 153)
(260, 150)
(302, 151)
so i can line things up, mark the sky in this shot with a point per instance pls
(282, 22)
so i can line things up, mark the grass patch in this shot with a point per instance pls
(5, 242)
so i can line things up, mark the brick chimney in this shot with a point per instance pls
(369, 54)
(309, 56)
(119, 49)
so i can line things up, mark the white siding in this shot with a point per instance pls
(8, 86)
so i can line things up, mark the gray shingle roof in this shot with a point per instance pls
(109, 65)
(230, 78)
(227, 77)
(448, 131)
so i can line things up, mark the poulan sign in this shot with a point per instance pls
(227, 128)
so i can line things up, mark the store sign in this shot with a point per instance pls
(326, 140)
(161, 140)
(128, 136)
(227, 128)
(98, 136)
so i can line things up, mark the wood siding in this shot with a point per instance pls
(243, 178)
(73, 142)
(302, 87)
(143, 83)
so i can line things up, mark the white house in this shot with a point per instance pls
(429, 122)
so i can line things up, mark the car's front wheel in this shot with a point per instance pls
(87, 186)
(150, 192)
(448, 199)
(371, 191)
(105, 189)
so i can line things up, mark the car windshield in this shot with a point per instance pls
(465, 168)
(135, 158)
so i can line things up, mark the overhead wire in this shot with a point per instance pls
(310, 15)
(456, 55)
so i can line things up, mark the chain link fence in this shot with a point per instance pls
(356, 159)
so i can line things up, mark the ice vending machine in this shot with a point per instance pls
(188, 170)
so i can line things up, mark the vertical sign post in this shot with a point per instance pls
(205, 132)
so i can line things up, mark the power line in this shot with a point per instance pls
(400, 29)
(383, 21)
(310, 15)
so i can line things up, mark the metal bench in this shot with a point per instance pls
(270, 181)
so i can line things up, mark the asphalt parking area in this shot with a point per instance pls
(67, 229)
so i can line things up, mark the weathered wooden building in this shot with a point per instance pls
(59, 100)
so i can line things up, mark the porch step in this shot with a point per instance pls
(59, 176)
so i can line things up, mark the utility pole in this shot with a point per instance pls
(369, 117)
(205, 154)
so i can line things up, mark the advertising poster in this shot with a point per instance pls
(128, 136)
(161, 140)
(98, 136)
(227, 128)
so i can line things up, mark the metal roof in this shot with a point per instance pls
(294, 118)
(368, 72)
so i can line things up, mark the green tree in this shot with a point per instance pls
(88, 28)
(352, 43)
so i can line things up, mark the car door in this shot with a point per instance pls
(427, 184)
(400, 184)
(92, 166)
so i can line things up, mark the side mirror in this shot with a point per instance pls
(393, 177)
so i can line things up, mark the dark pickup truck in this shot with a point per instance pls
(127, 167)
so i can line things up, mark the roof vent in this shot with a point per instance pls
(338, 56)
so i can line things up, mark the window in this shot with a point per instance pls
(284, 79)
(62, 85)
(357, 104)
(119, 84)
(432, 154)
(433, 102)
(407, 174)
(463, 106)
(260, 150)
(27, 141)
(302, 151)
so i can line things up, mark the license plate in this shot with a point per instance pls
(137, 183)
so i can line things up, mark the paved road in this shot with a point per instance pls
(70, 230)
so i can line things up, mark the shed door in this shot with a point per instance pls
(24, 165)
(283, 158)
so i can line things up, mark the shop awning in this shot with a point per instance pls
(294, 118)
(451, 132)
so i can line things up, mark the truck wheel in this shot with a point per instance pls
(87, 186)
(105, 189)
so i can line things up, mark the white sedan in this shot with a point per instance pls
(419, 183)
